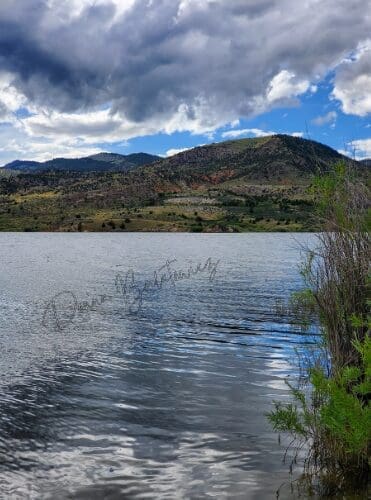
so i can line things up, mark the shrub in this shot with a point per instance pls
(336, 420)
(333, 418)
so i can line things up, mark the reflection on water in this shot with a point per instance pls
(166, 403)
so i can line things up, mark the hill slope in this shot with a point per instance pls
(272, 158)
(96, 163)
(244, 185)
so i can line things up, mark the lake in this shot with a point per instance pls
(142, 365)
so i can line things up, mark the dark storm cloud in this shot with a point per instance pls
(21, 55)
(165, 53)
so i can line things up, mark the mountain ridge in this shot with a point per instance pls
(256, 184)
(94, 163)
(226, 151)
(276, 157)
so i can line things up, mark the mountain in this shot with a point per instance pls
(242, 185)
(22, 165)
(272, 158)
(366, 162)
(100, 162)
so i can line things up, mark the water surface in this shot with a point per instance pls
(167, 402)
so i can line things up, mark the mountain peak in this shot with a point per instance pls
(271, 157)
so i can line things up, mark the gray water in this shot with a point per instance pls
(166, 400)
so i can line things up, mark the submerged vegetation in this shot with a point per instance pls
(330, 417)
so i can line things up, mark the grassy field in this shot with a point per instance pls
(227, 208)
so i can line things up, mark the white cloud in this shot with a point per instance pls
(362, 148)
(328, 118)
(92, 126)
(172, 152)
(353, 82)
(100, 71)
(47, 134)
(17, 145)
(358, 149)
(297, 134)
(355, 95)
(256, 132)
(285, 85)
(67, 10)
(344, 152)
(11, 100)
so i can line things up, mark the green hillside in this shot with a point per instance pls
(243, 185)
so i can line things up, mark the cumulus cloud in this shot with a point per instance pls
(353, 82)
(95, 71)
(285, 85)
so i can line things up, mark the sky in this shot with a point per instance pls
(160, 76)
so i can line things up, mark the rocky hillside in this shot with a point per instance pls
(243, 185)
(273, 158)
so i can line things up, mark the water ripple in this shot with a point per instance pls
(166, 404)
